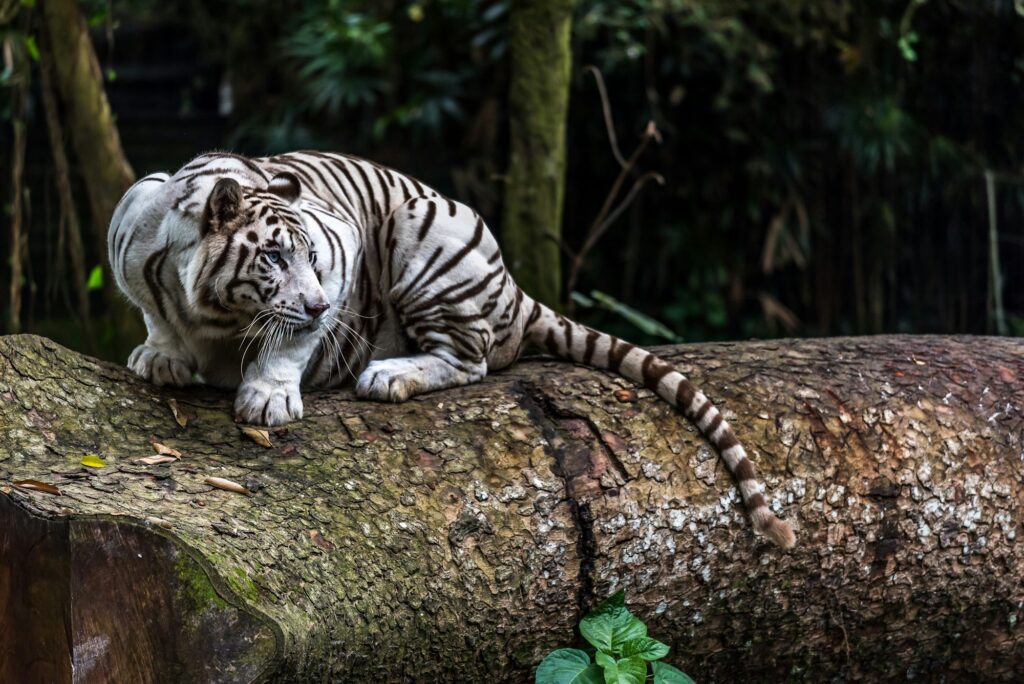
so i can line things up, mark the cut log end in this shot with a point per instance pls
(92, 600)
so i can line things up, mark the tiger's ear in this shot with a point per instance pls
(223, 205)
(286, 186)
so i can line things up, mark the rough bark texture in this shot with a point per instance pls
(93, 131)
(460, 536)
(538, 104)
(19, 232)
(70, 230)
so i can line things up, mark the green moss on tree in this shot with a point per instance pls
(541, 60)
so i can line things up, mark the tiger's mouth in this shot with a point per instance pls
(307, 326)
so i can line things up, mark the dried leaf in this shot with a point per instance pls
(93, 461)
(36, 485)
(165, 450)
(227, 485)
(319, 540)
(258, 435)
(181, 415)
(155, 460)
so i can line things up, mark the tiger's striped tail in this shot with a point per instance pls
(570, 340)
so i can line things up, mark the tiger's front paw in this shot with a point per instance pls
(268, 403)
(157, 367)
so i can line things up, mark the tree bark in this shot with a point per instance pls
(538, 104)
(96, 142)
(19, 232)
(460, 536)
(93, 131)
(70, 229)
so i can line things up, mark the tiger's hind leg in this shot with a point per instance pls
(442, 275)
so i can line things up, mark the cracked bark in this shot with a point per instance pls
(459, 536)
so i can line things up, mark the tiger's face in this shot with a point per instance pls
(257, 259)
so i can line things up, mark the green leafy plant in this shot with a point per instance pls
(623, 652)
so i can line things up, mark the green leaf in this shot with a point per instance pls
(32, 48)
(582, 300)
(637, 318)
(645, 647)
(93, 461)
(666, 674)
(95, 279)
(610, 667)
(609, 626)
(568, 666)
(632, 670)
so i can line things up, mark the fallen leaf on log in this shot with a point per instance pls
(155, 460)
(36, 485)
(260, 436)
(227, 485)
(165, 450)
(181, 415)
(93, 461)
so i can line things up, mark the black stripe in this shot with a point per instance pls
(478, 235)
(715, 422)
(428, 221)
(685, 393)
(745, 470)
(617, 353)
(654, 369)
(588, 352)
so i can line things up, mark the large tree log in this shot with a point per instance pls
(459, 536)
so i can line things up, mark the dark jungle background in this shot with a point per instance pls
(830, 167)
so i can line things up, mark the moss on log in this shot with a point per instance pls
(460, 536)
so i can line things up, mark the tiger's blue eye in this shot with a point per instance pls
(273, 257)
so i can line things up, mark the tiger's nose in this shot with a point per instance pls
(314, 309)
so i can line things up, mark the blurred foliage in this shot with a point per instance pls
(823, 158)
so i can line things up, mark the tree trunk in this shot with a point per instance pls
(19, 232)
(461, 535)
(70, 229)
(538, 103)
(96, 142)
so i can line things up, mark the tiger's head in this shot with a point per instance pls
(255, 259)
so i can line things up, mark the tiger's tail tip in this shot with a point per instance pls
(778, 531)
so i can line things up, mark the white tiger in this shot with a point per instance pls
(315, 269)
